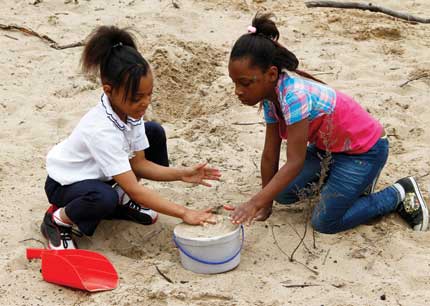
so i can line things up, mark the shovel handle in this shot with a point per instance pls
(34, 253)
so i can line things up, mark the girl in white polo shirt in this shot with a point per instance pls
(93, 174)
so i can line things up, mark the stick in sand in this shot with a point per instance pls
(52, 43)
(425, 75)
(367, 7)
(163, 275)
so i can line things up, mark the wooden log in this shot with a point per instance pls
(367, 7)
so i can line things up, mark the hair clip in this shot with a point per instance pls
(117, 45)
(252, 29)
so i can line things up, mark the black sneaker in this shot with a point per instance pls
(130, 210)
(59, 237)
(413, 209)
(134, 212)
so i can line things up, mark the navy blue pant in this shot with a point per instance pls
(88, 202)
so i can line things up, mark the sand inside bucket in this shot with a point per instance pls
(222, 227)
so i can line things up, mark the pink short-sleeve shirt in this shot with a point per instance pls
(337, 123)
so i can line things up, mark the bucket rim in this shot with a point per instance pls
(207, 239)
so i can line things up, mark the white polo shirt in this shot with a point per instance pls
(99, 147)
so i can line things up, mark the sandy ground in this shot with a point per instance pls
(43, 95)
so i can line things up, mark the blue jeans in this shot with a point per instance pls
(342, 205)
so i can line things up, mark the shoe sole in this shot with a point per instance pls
(50, 246)
(150, 214)
(43, 230)
(425, 223)
(135, 220)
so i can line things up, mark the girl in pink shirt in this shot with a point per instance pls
(318, 122)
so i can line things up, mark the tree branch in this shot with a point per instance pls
(424, 75)
(52, 43)
(367, 7)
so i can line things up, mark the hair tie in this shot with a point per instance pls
(117, 45)
(252, 29)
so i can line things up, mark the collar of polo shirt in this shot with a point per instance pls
(112, 116)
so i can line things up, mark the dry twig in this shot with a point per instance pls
(301, 240)
(163, 275)
(367, 7)
(298, 235)
(11, 37)
(52, 43)
(300, 286)
(291, 259)
(34, 239)
(326, 255)
(422, 76)
(424, 175)
(175, 4)
(314, 240)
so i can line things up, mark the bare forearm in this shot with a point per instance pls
(277, 183)
(269, 167)
(149, 170)
(151, 199)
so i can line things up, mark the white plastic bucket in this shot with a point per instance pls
(210, 255)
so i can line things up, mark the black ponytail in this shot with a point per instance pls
(264, 50)
(112, 52)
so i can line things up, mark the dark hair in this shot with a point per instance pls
(112, 52)
(263, 48)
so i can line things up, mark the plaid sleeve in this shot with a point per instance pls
(296, 107)
(269, 117)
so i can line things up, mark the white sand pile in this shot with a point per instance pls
(223, 226)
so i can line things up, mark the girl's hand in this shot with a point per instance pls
(199, 173)
(199, 217)
(244, 213)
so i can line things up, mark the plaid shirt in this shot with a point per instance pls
(337, 123)
(299, 99)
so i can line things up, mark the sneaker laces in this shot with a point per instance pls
(410, 203)
(66, 235)
(133, 205)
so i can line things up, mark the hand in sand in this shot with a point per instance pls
(264, 213)
(199, 217)
(244, 213)
(199, 173)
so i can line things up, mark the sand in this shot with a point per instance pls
(223, 226)
(367, 55)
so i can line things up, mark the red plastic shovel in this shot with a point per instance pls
(81, 269)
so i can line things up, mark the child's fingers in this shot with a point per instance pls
(210, 218)
(200, 166)
(228, 207)
(210, 221)
(213, 171)
(210, 173)
(208, 210)
(238, 217)
(211, 177)
(205, 184)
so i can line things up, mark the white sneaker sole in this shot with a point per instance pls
(425, 223)
(61, 247)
